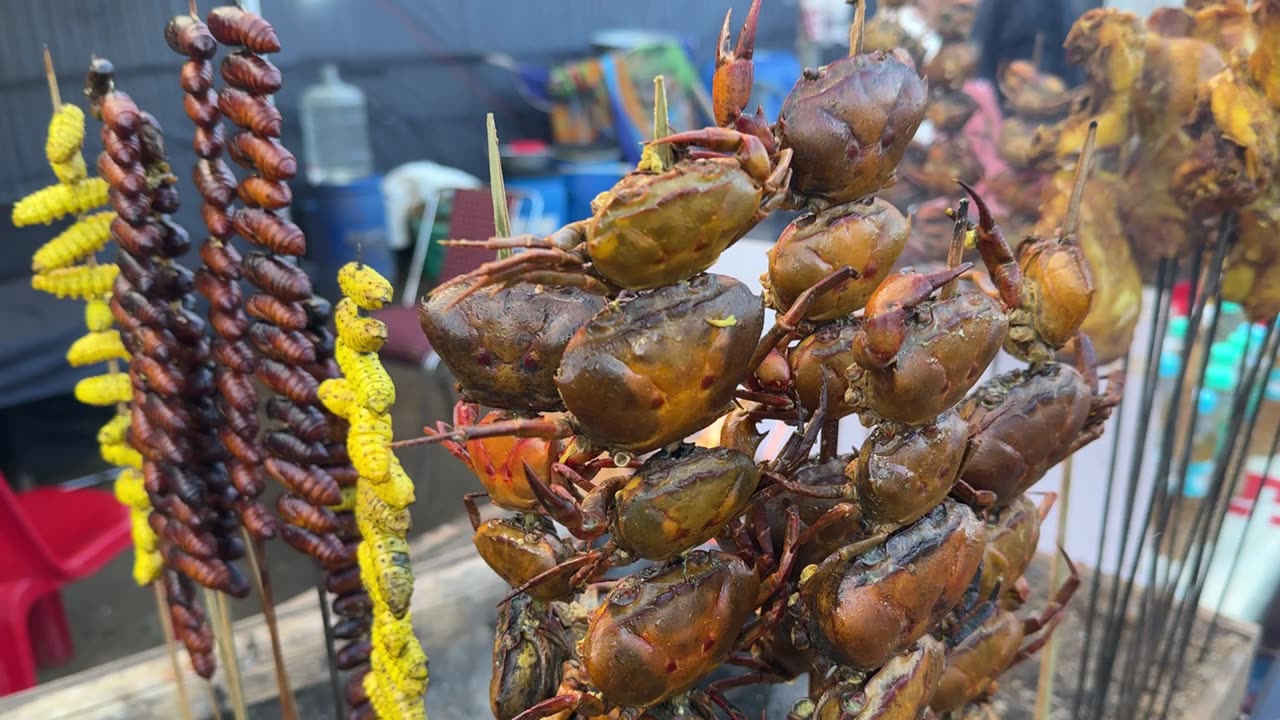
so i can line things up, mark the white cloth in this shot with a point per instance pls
(414, 183)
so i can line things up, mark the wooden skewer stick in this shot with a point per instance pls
(955, 253)
(191, 8)
(1049, 656)
(52, 79)
(227, 649)
(856, 30)
(170, 642)
(1072, 222)
(257, 553)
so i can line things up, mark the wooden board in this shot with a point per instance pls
(450, 578)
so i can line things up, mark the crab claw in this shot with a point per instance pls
(758, 125)
(748, 149)
(885, 325)
(560, 505)
(735, 72)
(996, 253)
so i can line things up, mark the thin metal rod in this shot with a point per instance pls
(1092, 610)
(1157, 506)
(1223, 459)
(171, 645)
(1166, 273)
(1049, 658)
(335, 682)
(1119, 596)
(1235, 559)
(1225, 473)
(1150, 618)
(1115, 615)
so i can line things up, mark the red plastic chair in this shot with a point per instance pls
(471, 219)
(48, 537)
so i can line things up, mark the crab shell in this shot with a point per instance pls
(1023, 423)
(948, 346)
(518, 552)
(866, 236)
(898, 691)
(977, 660)
(499, 464)
(654, 229)
(829, 349)
(659, 632)
(679, 500)
(504, 348)
(866, 609)
(526, 665)
(1057, 297)
(901, 474)
(849, 123)
(1012, 536)
(652, 370)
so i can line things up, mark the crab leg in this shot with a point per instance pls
(535, 428)
(996, 253)
(786, 324)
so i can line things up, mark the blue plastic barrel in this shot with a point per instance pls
(586, 180)
(550, 192)
(343, 222)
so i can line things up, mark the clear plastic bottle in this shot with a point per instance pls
(335, 131)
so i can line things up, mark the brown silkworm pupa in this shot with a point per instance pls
(128, 182)
(196, 76)
(279, 279)
(250, 112)
(270, 232)
(188, 35)
(289, 316)
(215, 182)
(252, 73)
(272, 160)
(232, 25)
(263, 193)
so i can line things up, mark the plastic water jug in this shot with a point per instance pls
(335, 131)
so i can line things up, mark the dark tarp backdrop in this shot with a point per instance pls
(421, 64)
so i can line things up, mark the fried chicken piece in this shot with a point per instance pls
(1264, 64)
(1236, 145)
(1227, 25)
(1251, 275)
(1031, 93)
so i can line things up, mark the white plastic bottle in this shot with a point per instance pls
(335, 131)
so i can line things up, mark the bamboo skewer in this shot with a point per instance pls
(955, 253)
(1049, 655)
(217, 605)
(55, 95)
(257, 553)
(170, 643)
(856, 30)
(113, 367)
